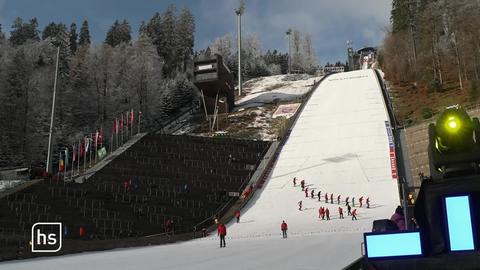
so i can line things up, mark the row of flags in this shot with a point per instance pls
(92, 143)
(77, 151)
(118, 123)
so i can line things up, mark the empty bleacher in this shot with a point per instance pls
(183, 178)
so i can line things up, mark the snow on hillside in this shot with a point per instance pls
(339, 144)
(272, 89)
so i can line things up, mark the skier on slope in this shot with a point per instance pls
(360, 200)
(368, 202)
(312, 194)
(300, 205)
(326, 197)
(306, 192)
(349, 209)
(331, 198)
(340, 212)
(346, 200)
(320, 212)
(302, 184)
(319, 194)
(294, 181)
(354, 214)
(327, 213)
(338, 199)
(353, 201)
(284, 228)
(222, 232)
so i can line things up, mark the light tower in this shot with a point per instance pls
(239, 11)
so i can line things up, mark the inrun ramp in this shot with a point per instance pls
(339, 145)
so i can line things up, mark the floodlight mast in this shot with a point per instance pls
(61, 39)
(239, 13)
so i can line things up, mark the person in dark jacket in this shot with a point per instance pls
(319, 194)
(349, 209)
(312, 193)
(327, 213)
(284, 228)
(302, 184)
(294, 181)
(222, 232)
(398, 218)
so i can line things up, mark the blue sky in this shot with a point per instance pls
(329, 22)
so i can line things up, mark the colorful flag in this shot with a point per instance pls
(115, 126)
(131, 120)
(66, 156)
(61, 165)
(100, 136)
(121, 123)
(96, 138)
(81, 149)
(87, 144)
(74, 156)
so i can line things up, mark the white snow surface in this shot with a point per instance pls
(339, 144)
(274, 88)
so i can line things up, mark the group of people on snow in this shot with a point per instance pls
(324, 212)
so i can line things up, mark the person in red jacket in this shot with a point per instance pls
(284, 228)
(340, 212)
(354, 214)
(237, 215)
(360, 200)
(320, 210)
(222, 232)
(82, 231)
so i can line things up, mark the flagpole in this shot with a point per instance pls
(116, 131)
(73, 162)
(59, 170)
(78, 155)
(90, 159)
(131, 123)
(84, 154)
(139, 115)
(126, 126)
(96, 146)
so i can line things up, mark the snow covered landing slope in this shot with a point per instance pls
(339, 144)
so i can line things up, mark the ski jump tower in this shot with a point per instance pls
(215, 82)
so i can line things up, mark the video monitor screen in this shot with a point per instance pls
(396, 244)
(459, 223)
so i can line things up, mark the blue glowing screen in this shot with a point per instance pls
(459, 221)
(393, 244)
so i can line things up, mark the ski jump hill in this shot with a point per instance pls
(339, 144)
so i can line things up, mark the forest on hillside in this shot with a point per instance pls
(435, 43)
(99, 82)
(431, 56)
(96, 83)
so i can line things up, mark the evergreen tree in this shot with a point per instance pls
(84, 38)
(21, 32)
(400, 15)
(2, 35)
(185, 41)
(73, 38)
(167, 43)
(120, 32)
